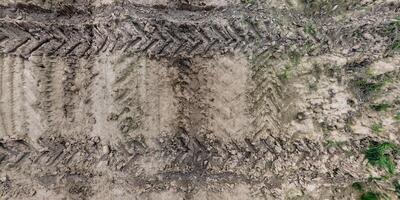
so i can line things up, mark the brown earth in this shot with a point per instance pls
(186, 99)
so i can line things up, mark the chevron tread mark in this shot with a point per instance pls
(47, 91)
(24, 38)
(169, 39)
(15, 37)
(87, 73)
(247, 156)
(186, 155)
(51, 98)
(266, 99)
(161, 37)
(54, 154)
(14, 153)
(36, 46)
(69, 88)
(126, 97)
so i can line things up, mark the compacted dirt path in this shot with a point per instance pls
(198, 99)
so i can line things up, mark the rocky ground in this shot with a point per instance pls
(192, 99)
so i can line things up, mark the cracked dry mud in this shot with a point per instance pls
(212, 99)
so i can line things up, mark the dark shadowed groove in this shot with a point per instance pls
(47, 92)
(72, 48)
(40, 44)
(12, 100)
(16, 47)
(68, 87)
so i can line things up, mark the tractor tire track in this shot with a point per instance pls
(86, 107)
(224, 156)
(267, 100)
(126, 98)
(169, 36)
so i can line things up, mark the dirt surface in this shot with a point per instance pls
(202, 100)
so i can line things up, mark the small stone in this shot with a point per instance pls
(149, 28)
(278, 149)
(356, 47)
(331, 150)
(3, 179)
(368, 36)
(300, 116)
(73, 88)
(95, 139)
(106, 149)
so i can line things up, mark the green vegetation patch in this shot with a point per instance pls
(377, 127)
(395, 45)
(392, 31)
(393, 26)
(358, 186)
(295, 59)
(309, 29)
(368, 87)
(285, 74)
(248, 2)
(370, 196)
(380, 107)
(396, 185)
(380, 156)
(397, 116)
(326, 7)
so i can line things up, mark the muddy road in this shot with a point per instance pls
(213, 99)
